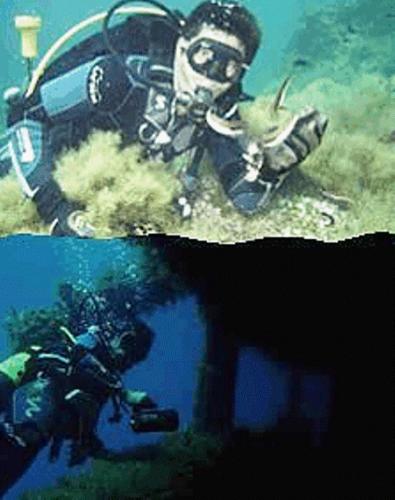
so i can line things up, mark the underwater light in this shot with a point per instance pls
(28, 26)
(155, 420)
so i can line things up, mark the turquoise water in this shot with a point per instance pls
(278, 21)
(341, 54)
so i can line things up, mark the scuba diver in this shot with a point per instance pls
(171, 83)
(56, 392)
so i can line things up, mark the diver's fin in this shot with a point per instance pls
(281, 94)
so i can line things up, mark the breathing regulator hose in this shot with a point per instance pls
(157, 9)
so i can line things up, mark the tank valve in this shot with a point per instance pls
(28, 26)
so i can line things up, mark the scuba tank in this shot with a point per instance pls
(154, 420)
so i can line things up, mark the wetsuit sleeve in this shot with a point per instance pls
(137, 398)
(98, 86)
(32, 147)
(60, 113)
(251, 170)
(94, 376)
(237, 162)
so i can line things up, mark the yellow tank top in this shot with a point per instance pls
(14, 367)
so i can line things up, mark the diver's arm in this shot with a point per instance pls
(40, 126)
(137, 399)
(251, 170)
(91, 368)
(32, 147)
(98, 86)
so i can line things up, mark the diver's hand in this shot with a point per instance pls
(309, 128)
(73, 225)
(146, 403)
(302, 136)
(138, 399)
(77, 222)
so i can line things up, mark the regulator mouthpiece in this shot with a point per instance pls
(28, 26)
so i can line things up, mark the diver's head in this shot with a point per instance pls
(131, 344)
(218, 43)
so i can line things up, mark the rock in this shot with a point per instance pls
(389, 138)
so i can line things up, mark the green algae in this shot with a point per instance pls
(17, 214)
(117, 186)
(137, 285)
(168, 475)
(344, 189)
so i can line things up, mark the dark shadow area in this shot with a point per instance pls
(142, 453)
(319, 309)
(316, 306)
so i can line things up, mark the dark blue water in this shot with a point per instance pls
(30, 270)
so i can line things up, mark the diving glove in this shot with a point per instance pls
(137, 399)
(302, 136)
(73, 225)
(268, 163)
(64, 216)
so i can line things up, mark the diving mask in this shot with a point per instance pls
(216, 61)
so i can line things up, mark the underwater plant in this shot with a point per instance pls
(33, 327)
(120, 189)
(17, 215)
(132, 288)
(343, 57)
(343, 190)
(168, 474)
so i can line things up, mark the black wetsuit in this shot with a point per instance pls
(87, 88)
(6, 390)
(63, 401)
